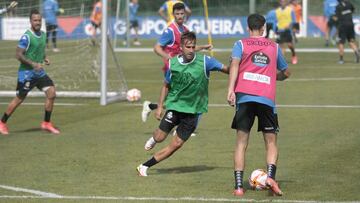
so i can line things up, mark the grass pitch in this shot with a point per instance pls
(100, 147)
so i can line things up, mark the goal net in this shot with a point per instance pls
(76, 65)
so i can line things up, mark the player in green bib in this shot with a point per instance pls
(184, 95)
(31, 54)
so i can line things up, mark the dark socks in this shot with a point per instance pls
(5, 118)
(150, 162)
(271, 171)
(47, 116)
(238, 175)
(153, 106)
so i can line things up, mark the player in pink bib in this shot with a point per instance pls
(256, 64)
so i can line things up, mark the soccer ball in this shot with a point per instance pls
(133, 95)
(257, 179)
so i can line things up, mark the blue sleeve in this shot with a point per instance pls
(212, 64)
(167, 76)
(166, 37)
(281, 62)
(23, 42)
(237, 50)
(293, 18)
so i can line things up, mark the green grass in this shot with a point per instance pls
(100, 147)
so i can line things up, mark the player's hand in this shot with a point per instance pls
(12, 5)
(231, 98)
(37, 66)
(158, 112)
(47, 61)
(208, 47)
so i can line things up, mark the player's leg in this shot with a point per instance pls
(342, 40)
(46, 84)
(22, 89)
(10, 109)
(242, 122)
(147, 108)
(185, 128)
(54, 33)
(268, 124)
(48, 32)
(353, 43)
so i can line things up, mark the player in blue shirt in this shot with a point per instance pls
(50, 12)
(329, 14)
(134, 23)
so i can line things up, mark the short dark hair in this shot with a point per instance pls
(178, 6)
(190, 36)
(34, 11)
(255, 21)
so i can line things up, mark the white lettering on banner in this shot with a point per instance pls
(218, 26)
(256, 77)
(14, 28)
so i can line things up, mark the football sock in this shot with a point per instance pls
(341, 58)
(47, 116)
(5, 118)
(150, 162)
(357, 56)
(271, 170)
(238, 179)
(153, 106)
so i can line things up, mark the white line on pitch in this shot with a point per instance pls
(41, 104)
(287, 106)
(289, 80)
(35, 192)
(190, 199)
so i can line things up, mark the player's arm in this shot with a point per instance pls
(282, 67)
(233, 74)
(212, 64)
(188, 12)
(159, 50)
(234, 71)
(203, 47)
(165, 39)
(21, 57)
(161, 12)
(163, 93)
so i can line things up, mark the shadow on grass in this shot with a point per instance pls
(185, 169)
(28, 130)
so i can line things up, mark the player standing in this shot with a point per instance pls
(256, 64)
(95, 19)
(344, 11)
(185, 95)
(285, 18)
(31, 54)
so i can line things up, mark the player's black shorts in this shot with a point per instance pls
(23, 88)
(245, 116)
(95, 25)
(186, 123)
(50, 28)
(284, 37)
(331, 22)
(346, 32)
(134, 24)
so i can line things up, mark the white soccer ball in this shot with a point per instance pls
(257, 179)
(133, 95)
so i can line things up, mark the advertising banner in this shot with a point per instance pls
(151, 27)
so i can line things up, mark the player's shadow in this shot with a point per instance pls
(185, 169)
(28, 130)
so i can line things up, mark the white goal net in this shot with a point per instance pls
(76, 65)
